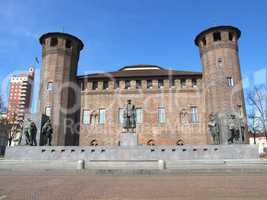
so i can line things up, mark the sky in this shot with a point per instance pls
(125, 32)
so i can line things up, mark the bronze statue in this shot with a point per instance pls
(214, 129)
(47, 132)
(129, 117)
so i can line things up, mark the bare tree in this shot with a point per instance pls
(257, 99)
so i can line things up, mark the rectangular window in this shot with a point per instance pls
(216, 36)
(48, 111)
(149, 84)
(116, 84)
(50, 86)
(120, 115)
(230, 81)
(160, 83)
(102, 116)
(161, 115)
(183, 83)
(127, 84)
(194, 115)
(138, 84)
(194, 82)
(94, 85)
(139, 115)
(105, 85)
(86, 117)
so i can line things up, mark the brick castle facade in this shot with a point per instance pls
(173, 106)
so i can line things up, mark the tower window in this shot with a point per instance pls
(94, 85)
(230, 81)
(68, 44)
(204, 42)
(160, 83)
(50, 86)
(149, 84)
(48, 111)
(183, 83)
(231, 36)
(127, 84)
(220, 62)
(172, 83)
(116, 84)
(105, 85)
(82, 85)
(138, 84)
(53, 42)
(217, 36)
(194, 82)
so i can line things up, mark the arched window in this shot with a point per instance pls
(180, 142)
(150, 142)
(94, 143)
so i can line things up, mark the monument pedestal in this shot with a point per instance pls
(128, 139)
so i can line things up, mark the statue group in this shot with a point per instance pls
(227, 128)
(129, 117)
(25, 132)
(27, 129)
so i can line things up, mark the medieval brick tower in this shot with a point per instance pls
(221, 70)
(59, 91)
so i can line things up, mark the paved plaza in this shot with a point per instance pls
(80, 185)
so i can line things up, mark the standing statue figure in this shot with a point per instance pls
(214, 129)
(129, 117)
(47, 132)
(233, 129)
(30, 131)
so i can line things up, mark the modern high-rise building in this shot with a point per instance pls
(20, 96)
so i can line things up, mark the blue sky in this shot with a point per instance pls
(123, 32)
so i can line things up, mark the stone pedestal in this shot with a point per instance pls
(128, 139)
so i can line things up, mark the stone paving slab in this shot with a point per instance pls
(57, 185)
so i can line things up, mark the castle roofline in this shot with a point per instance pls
(216, 28)
(141, 71)
(66, 35)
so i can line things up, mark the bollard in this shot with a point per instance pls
(162, 164)
(80, 164)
